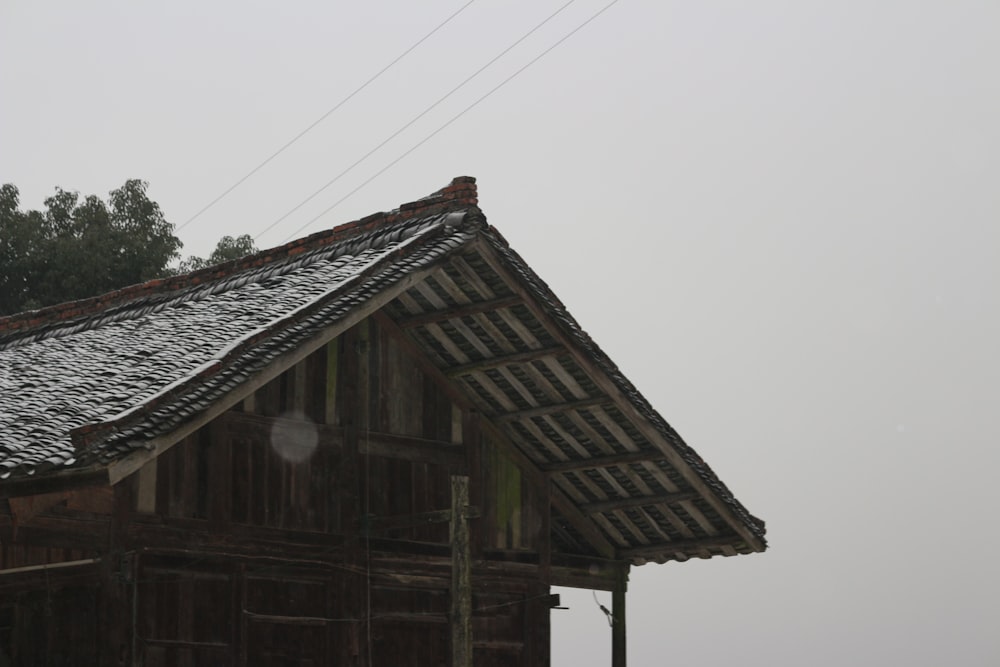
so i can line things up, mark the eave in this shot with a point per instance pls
(624, 483)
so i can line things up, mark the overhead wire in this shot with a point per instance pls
(451, 120)
(323, 117)
(413, 120)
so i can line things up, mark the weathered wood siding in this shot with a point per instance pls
(296, 529)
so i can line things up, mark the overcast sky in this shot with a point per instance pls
(779, 218)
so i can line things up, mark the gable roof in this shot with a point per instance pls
(88, 386)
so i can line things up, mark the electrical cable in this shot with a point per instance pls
(412, 121)
(607, 612)
(323, 117)
(449, 122)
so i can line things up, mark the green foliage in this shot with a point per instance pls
(75, 249)
(228, 248)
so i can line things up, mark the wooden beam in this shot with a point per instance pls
(620, 399)
(417, 450)
(601, 462)
(378, 524)
(636, 501)
(504, 360)
(618, 645)
(18, 571)
(374, 443)
(542, 410)
(458, 311)
(560, 501)
(34, 578)
(50, 482)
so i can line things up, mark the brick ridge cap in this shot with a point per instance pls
(461, 193)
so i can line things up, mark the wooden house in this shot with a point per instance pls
(377, 445)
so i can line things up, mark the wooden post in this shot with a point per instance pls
(545, 534)
(349, 383)
(461, 570)
(618, 617)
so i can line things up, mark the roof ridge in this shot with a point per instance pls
(460, 193)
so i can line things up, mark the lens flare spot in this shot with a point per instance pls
(294, 437)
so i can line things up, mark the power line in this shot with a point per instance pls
(412, 121)
(452, 120)
(324, 116)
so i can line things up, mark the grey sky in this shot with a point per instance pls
(779, 218)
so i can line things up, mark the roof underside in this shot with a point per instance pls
(97, 388)
(488, 324)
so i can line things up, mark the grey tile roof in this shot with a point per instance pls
(97, 386)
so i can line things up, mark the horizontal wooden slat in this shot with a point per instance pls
(425, 617)
(386, 523)
(496, 362)
(288, 620)
(419, 450)
(458, 311)
(183, 643)
(555, 408)
(372, 443)
(637, 501)
(602, 461)
(20, 571)
(498, 645)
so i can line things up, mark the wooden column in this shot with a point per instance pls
(116, 618)
(350, 384)
(470, 435)
(618, 617)
(461, 571)
(545, 534)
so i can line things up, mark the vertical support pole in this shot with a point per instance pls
(471, 436)
(545, 534)
(618, 617)
(115, 622)
(354, 602)
(461, 571)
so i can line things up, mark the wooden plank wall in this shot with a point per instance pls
(243, 541)
(379, 390)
